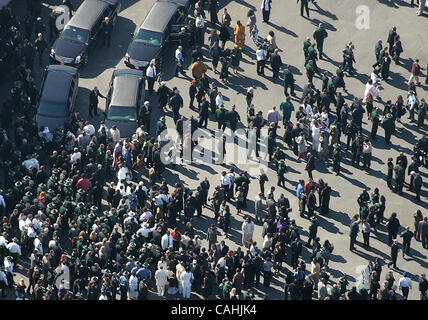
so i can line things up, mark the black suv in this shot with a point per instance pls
(58, 93)
(154, 33)
(81, 32)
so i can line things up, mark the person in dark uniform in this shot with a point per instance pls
(40, 44)
(310, 165)
(276, 63)
(394, 253)
(93, 101)
(53, 30)
(106, 28)
(319, 35)
(304, 4)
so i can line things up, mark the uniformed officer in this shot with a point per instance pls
(336, 158)
(106, 28)
(41, 46)
(319, 35)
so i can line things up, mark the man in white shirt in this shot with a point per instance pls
(161, 276)
(247, 232)
(14, 249)
(219, 100)
(76, 155)
(261, 60)
(266, 7)
(405, 285)
(151, 76)
(274, 116)
(89, 128)
(115, 134)
(179, 59)
(367, 154)
(411, 103)
(145, 230)
(160, 199)
(166, 241)
(122, 173)
(186, 280)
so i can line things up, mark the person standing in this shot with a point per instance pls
(151, 76)
(266, 8)
(423, 229)
(422, 112)
(106, 28)
(405, 285)
(93, 101)
(394, 253)
(288, 81)
(144, 117)
(310, 165)
(319, 35)
(239, 35)
(416, 70)
(393, 225)
(375, 123)
(391, 36)
(399, 177)
(179, 60)
(407, 236)
(161, 276)
(417, 183)
(186, 280)
(423, 286)
(310, 72)
(276, 63)
(261, 60)
(354, 229)
(304, 4)
(40, 44)
(53, 30)
(421, 7)
(367, 154)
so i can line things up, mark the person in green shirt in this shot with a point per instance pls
(319, 35)
(378, 48)
(160, 126)
(375, 123)
(287, 108)
(310, 71)
(288, 81)
(422, 112)
(312, 55)
(306, 45)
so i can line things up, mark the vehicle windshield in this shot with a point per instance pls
(51, 110)
(75, 34)
(121, 113)
(148, 37)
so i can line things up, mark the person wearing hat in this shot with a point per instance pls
(144, 116)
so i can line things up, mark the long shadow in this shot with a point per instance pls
(101, 59)
(283, 30)
(333, 62)
(244, 3)
(326, 13)
(326, 24)
(396, 80)
(341, 217)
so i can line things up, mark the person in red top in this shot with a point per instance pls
(83, 183)
(176, 238)
(309, 185)
(416, 70)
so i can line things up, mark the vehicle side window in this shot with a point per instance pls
(107, 12)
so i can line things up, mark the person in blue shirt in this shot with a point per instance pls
(300, 188)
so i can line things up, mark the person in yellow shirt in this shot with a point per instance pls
(240, 35)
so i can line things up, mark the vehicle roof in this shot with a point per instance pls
(125, 90)
(159, 16)
(88, 13)
(180, 2)
(56, 86)
(61, 67)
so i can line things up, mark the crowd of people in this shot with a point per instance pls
(95, 218)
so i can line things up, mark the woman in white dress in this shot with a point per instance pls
(315, 136)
